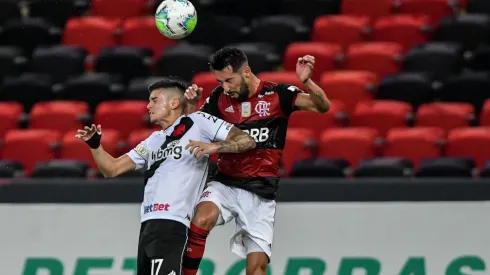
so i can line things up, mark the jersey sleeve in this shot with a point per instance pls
(140, 154)
(287, 97)
(211, 104)
(211, 127)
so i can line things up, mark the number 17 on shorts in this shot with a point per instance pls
(156, 264)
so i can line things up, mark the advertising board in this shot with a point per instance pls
(423, 238)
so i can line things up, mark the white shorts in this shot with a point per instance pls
(254, 217)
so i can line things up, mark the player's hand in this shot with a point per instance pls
(193, 94)
(88, 132)
(304, 67)
(199, 148)
(91, 135)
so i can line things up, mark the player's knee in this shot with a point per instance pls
(206, 216)
(257, 263)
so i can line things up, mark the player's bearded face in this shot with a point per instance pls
(233, 83)
(237, 88)
(243, 90)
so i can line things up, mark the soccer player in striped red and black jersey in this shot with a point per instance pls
(245, 185)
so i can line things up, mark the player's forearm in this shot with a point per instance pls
(236, 146)
(105, 162)
(237, 142)
(318, 96)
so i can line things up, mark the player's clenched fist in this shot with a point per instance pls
(193, 93)
(91, 135)
(304, 67)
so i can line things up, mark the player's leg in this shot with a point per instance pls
(165, 247)
(257, 260)
(142, 261)
(212, 209)
(255, 231)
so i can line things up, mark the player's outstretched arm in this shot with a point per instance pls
(108, 165)
(315, 100)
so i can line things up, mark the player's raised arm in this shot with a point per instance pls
(108, 165)
(193, 95)
(315, 99)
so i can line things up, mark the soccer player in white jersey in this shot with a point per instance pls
(177, 165)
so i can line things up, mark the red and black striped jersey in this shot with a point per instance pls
(264, 116)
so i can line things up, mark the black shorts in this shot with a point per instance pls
(161, 247)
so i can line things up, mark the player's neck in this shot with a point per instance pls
(253, 85)
(170, 120)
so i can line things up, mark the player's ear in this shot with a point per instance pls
(247, 71)
(174, 103)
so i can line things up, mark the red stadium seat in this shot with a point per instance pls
(381, 58)
(141, 32)
(296, 147)
(138, 136)
(123, 116)
(317, 122)
(485, 114)
(349, 87)
(351, 144)
(30, 146)
(414, 144)
(381, 115)
(73, 148)
(434, 9)
(470, 143)
(10, 113)
(61, 116)
(406, 30)
(207, 81)
(446, 116)
(91, 32)
(118, 8)
(325, 56)
(373, 9)
(340, 29)
(282, 77)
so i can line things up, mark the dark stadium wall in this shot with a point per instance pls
(291, 190)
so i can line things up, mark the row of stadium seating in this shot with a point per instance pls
(382, 115)
(347, 87)
(60, 10)
(468, 30)
(354, 144)
(441, 60)
(308, 168)
(445, 167)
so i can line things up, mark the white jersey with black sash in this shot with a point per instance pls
(174, 179)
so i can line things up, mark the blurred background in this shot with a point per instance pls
(409, 82)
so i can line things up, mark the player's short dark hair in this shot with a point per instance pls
(228, 57)
(168, 82)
